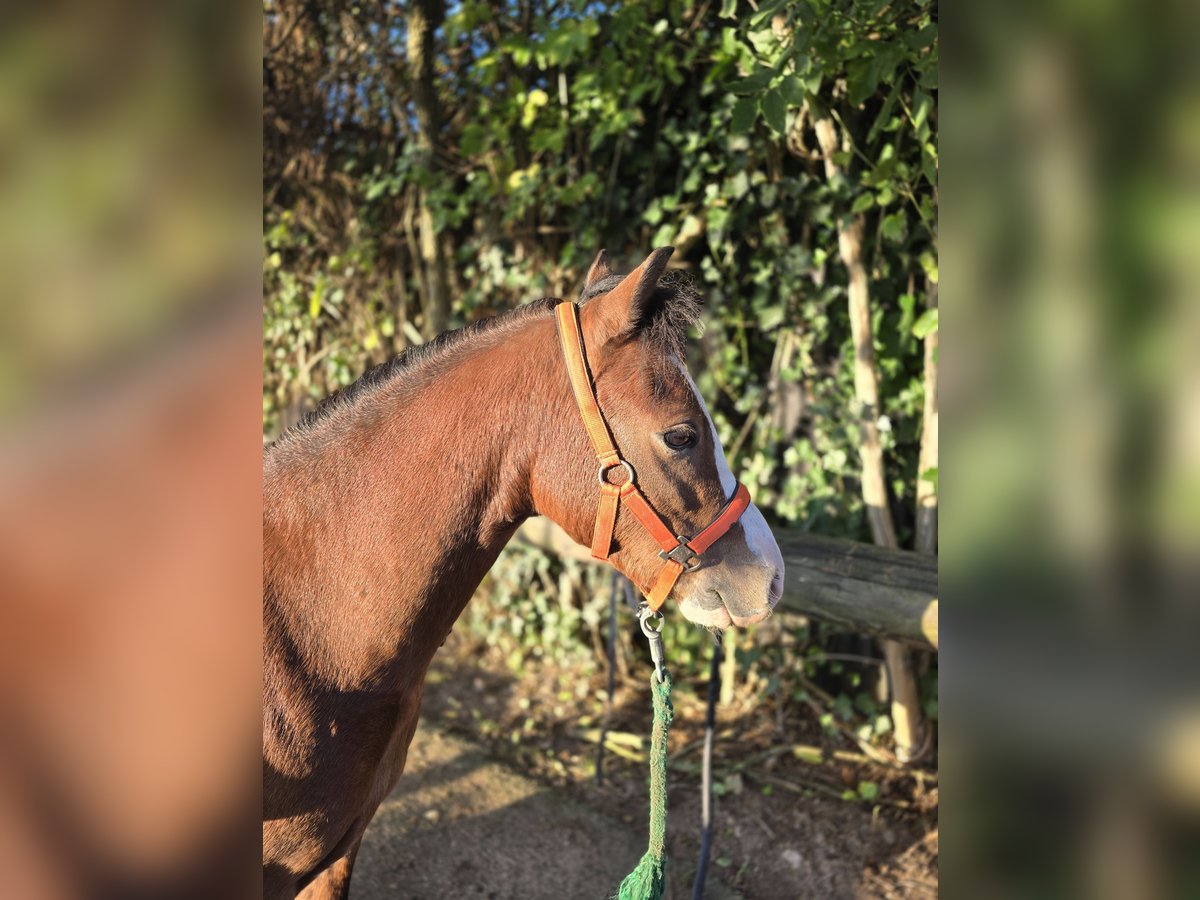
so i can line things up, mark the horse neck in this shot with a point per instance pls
(377, 533)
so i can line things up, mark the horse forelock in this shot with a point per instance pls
(674, 309)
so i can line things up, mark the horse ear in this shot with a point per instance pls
(599, 271)
(623, 309)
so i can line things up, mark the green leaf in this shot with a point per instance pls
(929, 264)
(728, 9)
(771, 318)
(745, 112)
(843, 708)
(931, 476)
(926, 325)
(862, 78)
(738, 186)
(473, 138)
(314, 302)
(907, 303)
(894, 226)
(811, 755)
(765, 43)
(775, 112)
(862, 203)
(752, 83)
(868, 790)
(792, 89)
(536, 99)
(922, 104)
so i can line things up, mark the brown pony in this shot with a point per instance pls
(385, 508)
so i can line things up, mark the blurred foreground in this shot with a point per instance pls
(1071, 223)
(129, 470)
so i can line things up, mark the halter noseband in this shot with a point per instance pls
(679, 553)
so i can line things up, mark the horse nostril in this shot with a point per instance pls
(776, 590)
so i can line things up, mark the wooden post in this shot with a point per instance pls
(907, 722)
(729, 642)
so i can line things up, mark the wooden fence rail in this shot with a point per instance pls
(861, 587)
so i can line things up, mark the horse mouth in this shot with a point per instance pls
(718, 617)
(752, 619)
(711, 611)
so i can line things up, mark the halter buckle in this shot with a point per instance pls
(604, 468)
(682, 554)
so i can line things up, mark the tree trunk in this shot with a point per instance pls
(906, 707)
(424, 18)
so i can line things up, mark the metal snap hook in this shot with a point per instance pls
(654, 635)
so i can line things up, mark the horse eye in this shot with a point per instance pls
(680, 438)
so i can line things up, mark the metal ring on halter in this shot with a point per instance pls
(628, 471)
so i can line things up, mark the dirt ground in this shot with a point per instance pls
(461, 824)
(501, 797)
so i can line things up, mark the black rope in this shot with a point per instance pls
(631, 599)
(710, 726)
(622, 585)
(612, 674)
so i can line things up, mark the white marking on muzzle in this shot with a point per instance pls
(758, 533)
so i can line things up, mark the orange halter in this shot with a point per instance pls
(680, 553)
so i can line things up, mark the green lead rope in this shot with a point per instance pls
(648, 880)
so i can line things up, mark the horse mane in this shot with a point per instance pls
(674, 308)
(416, 357)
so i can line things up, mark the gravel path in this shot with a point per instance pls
(462, 825)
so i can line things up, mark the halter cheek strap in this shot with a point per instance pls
(680, 554)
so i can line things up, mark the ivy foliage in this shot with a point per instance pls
(569, 126)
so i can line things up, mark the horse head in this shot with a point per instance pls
(634, 331)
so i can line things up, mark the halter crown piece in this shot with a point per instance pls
(680, 554)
